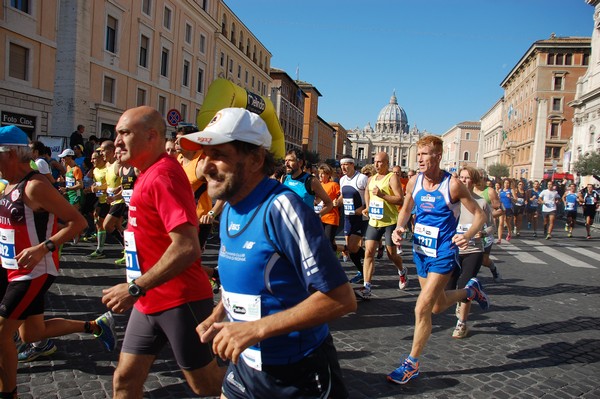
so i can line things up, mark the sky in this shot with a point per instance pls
(445, 59)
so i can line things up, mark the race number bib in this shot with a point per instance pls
(69, 181)
(7, 246)
(244, 307)
(131, 258)
(425, 240)
(319, 207)
(462, 229)
(127, 195)
(376, 209)
(520, 202)
(349, 207)
(570, 206)
(99, 193)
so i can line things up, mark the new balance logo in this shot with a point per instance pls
(248, 244)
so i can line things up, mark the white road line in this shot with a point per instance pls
(523, 257)
(566, 259)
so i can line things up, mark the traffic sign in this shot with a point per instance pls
(173, 117)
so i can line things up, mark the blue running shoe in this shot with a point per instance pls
(357, 279)
(478, 295)
(107, 335)
(29, 352)
(406, 372)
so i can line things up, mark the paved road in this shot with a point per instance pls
(541, 337)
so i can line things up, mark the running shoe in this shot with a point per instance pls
(403, 279)
(363, 293)
(499, 241)
(496, 274)
(508, 237)
(108, 334)
(357, 279)
(518, 234)
(121, 261)
(478, 295)
(534, 235)
(96, 255)
(548, 237)
(406, 372)
(589, 237)
(380, 252)
(460, 331)
(30, 352)
(570, 235)
(91, 238)
(566, 227)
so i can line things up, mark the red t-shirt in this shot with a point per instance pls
(163, 200)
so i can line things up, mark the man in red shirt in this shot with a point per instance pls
(166, 286)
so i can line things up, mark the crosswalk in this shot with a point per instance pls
(537, 252)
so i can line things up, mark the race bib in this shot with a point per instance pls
(520, 201)
(349, 207)
(425, 240)
(131, 258)
(110, 192)
(570, 206)
(69, 181)
(244, 307)
(376, 209)
(127, 195)
(462, 229)
(7, 246)
(99, 193)
(589, 200)
(319, 207)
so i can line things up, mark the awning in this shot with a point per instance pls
(559, 176)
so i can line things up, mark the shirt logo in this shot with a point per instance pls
(427, 198)
(233, 227)
(248, 244)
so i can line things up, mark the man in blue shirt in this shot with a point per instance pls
(281, 281)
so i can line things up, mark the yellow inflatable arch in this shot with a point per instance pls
(222, 93)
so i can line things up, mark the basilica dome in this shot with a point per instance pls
(392, 118)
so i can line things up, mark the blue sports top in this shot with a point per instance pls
(273, 256)
(571, 202)
(298, 185)
(436, 219)
(506, 198)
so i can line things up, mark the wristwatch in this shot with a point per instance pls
(211, 213)
(135, 290)
(50, 245)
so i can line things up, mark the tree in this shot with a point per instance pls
(589, 164)
(498, 170)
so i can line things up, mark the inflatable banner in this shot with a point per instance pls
(224, 94)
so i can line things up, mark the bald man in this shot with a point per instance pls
(166, 286)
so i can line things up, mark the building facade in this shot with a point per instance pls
(392, 135)
(490, 136)
(73, 62)
(288, 99)
(461, 145)
(586, 105)
(537, 122)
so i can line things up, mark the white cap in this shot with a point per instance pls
(67, 153)
(230, 124)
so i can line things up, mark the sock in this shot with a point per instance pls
(357, 258)
(413, 360)
(101, 240)
(367, 286)
(492, 266)
(118, 235)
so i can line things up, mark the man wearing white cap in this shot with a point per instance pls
(281, 281)
(73, 178)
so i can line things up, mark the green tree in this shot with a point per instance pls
(589, 164)
(498, 170)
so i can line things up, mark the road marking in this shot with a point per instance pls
(523, 257)
(566, 259)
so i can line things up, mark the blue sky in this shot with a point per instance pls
(444, 58)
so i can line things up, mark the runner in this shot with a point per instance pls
(101, 207)
(166, 285)
(570, 198)
(590, 200)
(533, 196)
(281, 281)
(29, 211)
(437, 197)
(507, 198)
(519, 205)
(548, 199)
(384, 195)
(331, 219)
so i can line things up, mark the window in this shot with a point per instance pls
(204, 4)
(141, 97)
(202, 44)
(230, 66)
(239, 71)
(224, 25)
(554, 130)
(185, 80)
(550, 60)
(111, 34)
(183, 112)
(559, 59)
(558, 83)
(222, 60)
(108, 95)
(246, 80)
(233, 33)
(162, 105)
(147, 7)
(556, 104)
(167, 18)
(585, 60)
(164, 63)
(568, 59)
(200, 83)
(21, 5)
(241, 41)
(188, 33)
(144, 45)
(468, 136)
(466, 156)
(18, 62)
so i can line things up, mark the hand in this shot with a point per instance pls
(460, 241)
(29, 257)
(229, 339)
(397, 235)
(365, 212)
(206, 219)
(117, 298)
(377, 192)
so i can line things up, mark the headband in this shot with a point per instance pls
(346, 160)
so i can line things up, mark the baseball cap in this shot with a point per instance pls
(67, 153)
(230, 124)
(12, 136)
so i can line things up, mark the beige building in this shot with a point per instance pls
(586, 105)
(288, 99)
(461, 145)
(73, 62)
(490, 136)
(537, 120)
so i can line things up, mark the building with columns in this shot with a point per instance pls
(586, 104)
(537, 121)
(490, 136)
(461, 144)
(392, 134)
